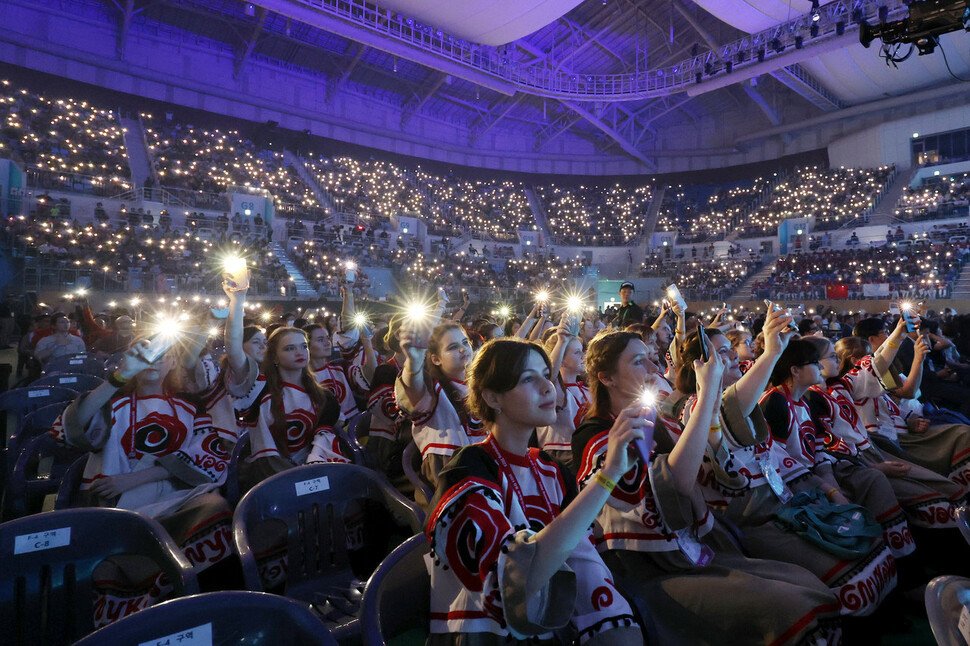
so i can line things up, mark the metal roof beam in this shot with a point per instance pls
(418, 101)
(249, 44)
(475, 134)
(612, 133)
(761, 102)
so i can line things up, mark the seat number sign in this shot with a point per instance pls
(45, 540)
(312, 486)
(198, 636)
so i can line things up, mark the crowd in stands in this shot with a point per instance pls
(923, 271)
(498, 209)
(703, 276)
(595, 215)
(139, 253)
(63, 143)
(724, 210)
(937, 197)
(372, 189)
(834, 197)
(211, 161)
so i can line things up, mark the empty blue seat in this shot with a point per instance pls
(75, 365)
(82, 383)
(336, 522)
(46, 584)
(244, 618)
(397, 599)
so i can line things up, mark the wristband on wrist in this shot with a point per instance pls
(828, 494)
(892, 345)
(604, 481)
(116, 380)
(716, 428)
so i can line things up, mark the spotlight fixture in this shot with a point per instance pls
(697, 77)
(799, 42)
(840, 27)
(777, 46)
(813, 30)
(729, 66)
(761, 55)
(815, 15)
(740, 57)
(883, 13)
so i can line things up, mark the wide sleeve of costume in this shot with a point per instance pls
(471, 534)
(325, 447)
(201, 458)
(729, 474)
(421, 411)
(91, 437)
(745, 430)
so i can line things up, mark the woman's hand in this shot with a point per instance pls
(892, 468)
(710, 372)
(414, 339)
(114, 486)
(918, 425)
(776, 332)
(628, 426)
(920, 350)
(132, 362)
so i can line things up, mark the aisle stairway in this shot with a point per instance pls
(885, 209)
(303, 287)
(743, 293)
(539, 213)
(301, 169)
(653, 212)
(962, 287)
(138, 160)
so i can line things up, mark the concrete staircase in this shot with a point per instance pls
(303, 287)
(138, 160)
(962, 287)
(743, 293)
(653, 212)
(301, 169)
(885, 209)
(539, 213)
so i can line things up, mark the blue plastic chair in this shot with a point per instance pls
(397, 598)
(20, 401)
(77, 364)
(36, 474)
(69, 490)
(245, 618)
(325, 507)
(82, 383)
(240, 452)
(46, 593)
(411, 461)
(945, 597)
(34, 423)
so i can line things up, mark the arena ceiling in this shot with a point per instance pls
(613, 72)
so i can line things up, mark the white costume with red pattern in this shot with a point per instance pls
(490, 504)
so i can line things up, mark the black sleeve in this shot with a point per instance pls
(470, 462)
(581, 437)
(330, 412)
(775, 409)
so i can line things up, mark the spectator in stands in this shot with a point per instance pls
(60, 343)
(119, 339)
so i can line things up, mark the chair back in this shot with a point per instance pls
(75, 381)
(240, 452)
(251, 618)
(69, 489)
(945, 598)
(411, 461)
(397, 598)
(321, 505)
(20, 401)
(963, 522)
(36, 474)
(77, 364)
(34, 423)
(46, 587)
